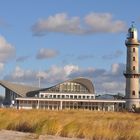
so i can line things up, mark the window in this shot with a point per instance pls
(133, 49)
(79, 97)
(75, 97)
(92, 97)
(131, 34)
(42, 95)
(133, 67)
(72, 87)
(71, 96)
(25, 102)
(133, 92)
(63, 96)
(87, 97)
(133, 58)
(67, 96)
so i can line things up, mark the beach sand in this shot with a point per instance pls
(14, 135)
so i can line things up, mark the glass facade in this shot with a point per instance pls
(69, 87)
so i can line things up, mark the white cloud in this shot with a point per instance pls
(115, 68)
(110, 86)
(20, 75)
(104, 22)
(57, 23)
(7, 51)
(51, 76)
(92, 23)
(18, 72)
(70, 68)
(45, 53)
(58, 74)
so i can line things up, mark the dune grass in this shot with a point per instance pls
(81, 124)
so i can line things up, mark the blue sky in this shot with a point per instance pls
(60, 40)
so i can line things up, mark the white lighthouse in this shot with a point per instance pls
(132, 69)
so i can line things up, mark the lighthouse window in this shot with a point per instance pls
(133, 58)
(133, 49)
(133, 92)
(132, 34)
(133, 67)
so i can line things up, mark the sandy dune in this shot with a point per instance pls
(14, 135)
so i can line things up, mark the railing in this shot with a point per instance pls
(132, 42)
(131, 72)
(67, 96)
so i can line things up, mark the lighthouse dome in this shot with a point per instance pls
(132, 29)
(132, 32)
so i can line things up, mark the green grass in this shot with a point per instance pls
(81, 124)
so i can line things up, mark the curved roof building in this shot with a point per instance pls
(77, 85)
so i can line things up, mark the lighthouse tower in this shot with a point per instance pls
(132, 69)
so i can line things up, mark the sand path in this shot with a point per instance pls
(14, 135)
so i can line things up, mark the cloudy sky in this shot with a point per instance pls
(63, 39)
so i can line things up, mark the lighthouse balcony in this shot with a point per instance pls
(132, 73)
(132, 42)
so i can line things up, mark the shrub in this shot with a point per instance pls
(21, 126)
